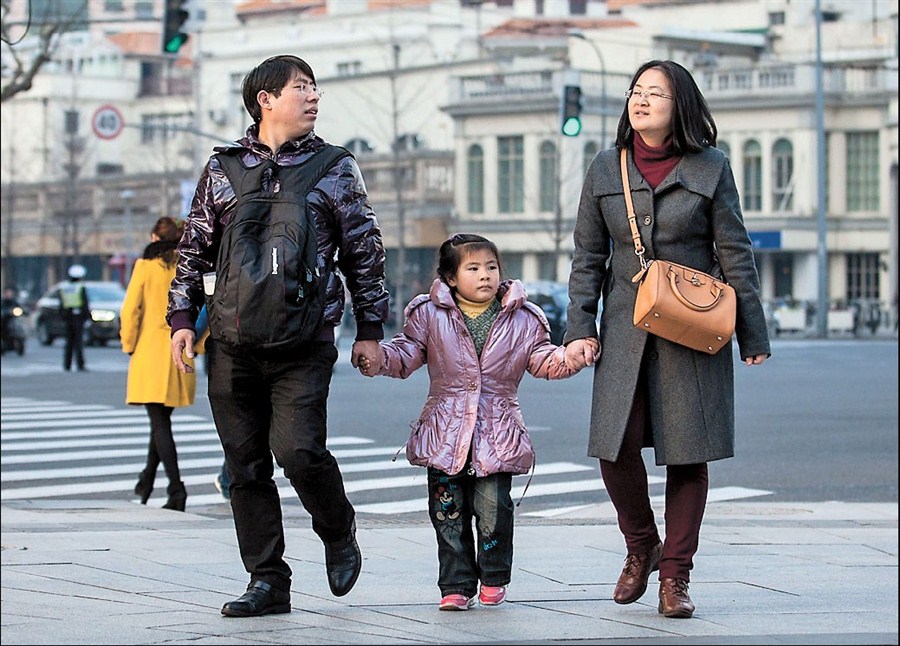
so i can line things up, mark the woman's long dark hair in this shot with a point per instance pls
(693, 127)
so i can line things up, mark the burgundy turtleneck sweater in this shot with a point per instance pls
(654, 162)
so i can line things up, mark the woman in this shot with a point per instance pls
(649, 391)
(153, 380)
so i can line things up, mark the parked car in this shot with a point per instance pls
(553, 299)
(105, 299)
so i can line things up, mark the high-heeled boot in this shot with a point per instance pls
(177, 496)
(144, 486)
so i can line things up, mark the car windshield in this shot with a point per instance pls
(111, 292)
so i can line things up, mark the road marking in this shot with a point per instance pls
(36, 433)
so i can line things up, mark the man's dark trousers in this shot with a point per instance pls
(276, 403)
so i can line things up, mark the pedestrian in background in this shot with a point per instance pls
(275, 401)
(649, 391)
(153, 380)
(478, 336)
(76, 308)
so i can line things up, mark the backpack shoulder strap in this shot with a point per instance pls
(243, 180)
(301, 179)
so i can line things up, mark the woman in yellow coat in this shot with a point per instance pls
(153, 379)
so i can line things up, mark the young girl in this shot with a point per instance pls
(478, 337)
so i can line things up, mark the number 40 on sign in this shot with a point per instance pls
(107, 122)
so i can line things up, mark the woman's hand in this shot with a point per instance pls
(756, 359)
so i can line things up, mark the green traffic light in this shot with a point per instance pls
(571, 127)
(175, 43)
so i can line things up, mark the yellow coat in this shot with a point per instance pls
(152, 375)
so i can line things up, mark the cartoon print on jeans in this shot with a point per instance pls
(447, 506)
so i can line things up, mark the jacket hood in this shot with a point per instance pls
(511, 292)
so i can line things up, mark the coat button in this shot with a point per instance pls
(647, 220)
(473, 385)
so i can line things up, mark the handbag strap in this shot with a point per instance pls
(632, 218)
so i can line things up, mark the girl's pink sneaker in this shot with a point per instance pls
(456, 602)
(491, 596)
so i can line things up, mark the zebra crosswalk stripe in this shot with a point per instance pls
(37, 434)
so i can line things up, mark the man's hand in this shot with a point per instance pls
(183, 346)
(367, 357)
(581, 353)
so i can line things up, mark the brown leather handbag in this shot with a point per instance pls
(679, 303)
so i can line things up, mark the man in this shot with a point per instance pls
(269, 402)
(75, 309)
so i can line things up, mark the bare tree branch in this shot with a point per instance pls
(23, 58)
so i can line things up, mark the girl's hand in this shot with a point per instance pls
(365, 367)
(582, 353)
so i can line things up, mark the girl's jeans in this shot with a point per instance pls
(453, 501)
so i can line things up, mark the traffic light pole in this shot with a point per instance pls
(574, 33)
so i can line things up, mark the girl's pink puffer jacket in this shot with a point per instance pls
(470, 405)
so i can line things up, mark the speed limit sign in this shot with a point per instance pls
(107, 122)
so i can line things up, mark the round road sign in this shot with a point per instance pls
(107, 122)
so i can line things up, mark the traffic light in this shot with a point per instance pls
(571, 110)
(174, 17)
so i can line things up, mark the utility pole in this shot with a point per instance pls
(9, 269)
(400, 287)
(822, 309)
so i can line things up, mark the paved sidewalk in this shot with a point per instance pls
(767, 573)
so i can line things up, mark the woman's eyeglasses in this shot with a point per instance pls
(647, 95)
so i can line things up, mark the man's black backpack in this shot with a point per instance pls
(269, 285)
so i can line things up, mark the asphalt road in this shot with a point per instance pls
(817, 422)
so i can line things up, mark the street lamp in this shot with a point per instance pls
(577, 33)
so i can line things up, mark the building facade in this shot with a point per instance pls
(452, 109)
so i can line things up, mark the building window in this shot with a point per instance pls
(862, 276)
(350, 68)
(475, 178)
(590, 151)
(752, 176)
(724, 147)
(143, 9)
(862, 171)
(549, 181)
(782, 175)
(106, 169)
(546, 263)
(359, 146)
(511, 174)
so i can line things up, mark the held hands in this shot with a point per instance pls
(367, 357)
(581, 353)
(183, 346)
(756, 360)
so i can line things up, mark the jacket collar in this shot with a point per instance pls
(511, 292)
(250, 141)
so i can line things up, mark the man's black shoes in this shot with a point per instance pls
(259, 599)
(343, 562)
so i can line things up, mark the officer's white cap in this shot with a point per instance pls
(77, 271)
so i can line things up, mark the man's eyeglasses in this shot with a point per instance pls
(307, 88)
(647, 95)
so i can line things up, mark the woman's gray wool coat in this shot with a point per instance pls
(693, 218)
